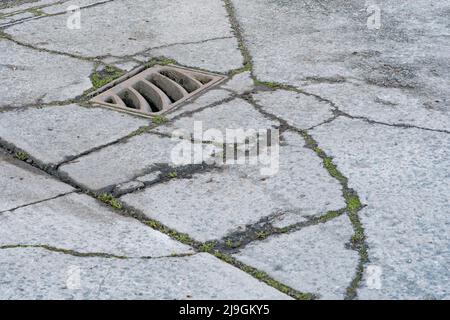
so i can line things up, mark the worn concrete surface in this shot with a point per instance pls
(30, 77)
(38, 274)
(312, 260)
(20, 184)
(55, 134)
(402, 175)
(397, 73)
(212, 205)
(79, 223)
(121, 162)
(368, 96)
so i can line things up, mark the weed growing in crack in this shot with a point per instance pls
(246, 68)
(182, 237)
(105, 76)
(111, 200)
(264, 277)
(262, 235)
(173, 175)
(159, 120)
(229, 243)
(139, 131)
(163, 61)
(23, 156)
(36, 12)
(353, 203)
(270, 85)
(208, 246)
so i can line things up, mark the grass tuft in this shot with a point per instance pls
(110, 200)
(105, 76)
(23, 156)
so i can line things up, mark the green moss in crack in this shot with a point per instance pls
(182, 237)
(36, 11)
(330, 216)
(247, 68)
(110, 200)
(270, 85)
(159, 120)
(264, 277)
(163, 61)
(139, 131)
(208, 246)
(353, 203)
(103, 77)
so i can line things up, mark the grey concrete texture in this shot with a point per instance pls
(159, 23)
(402, 176)
(202, 101)
(240, 83)
(299, 110)
(31, 77)
(235, 114)
(105, 168)
(52, 135)
(211, 205)
(12, 6)
(374, 97)
(79, 223)
(219, 55)
(314, 259)
(21, 185)
(397, 73)
(39, 275)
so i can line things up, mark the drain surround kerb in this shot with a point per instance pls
(154, 91)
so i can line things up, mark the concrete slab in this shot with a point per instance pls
(121, 162)
(31, 77)
(150, 24)
(402, 176)
(314, 259)
(394, 71)
(218, 55)
(79, 223)
(299, 110)
(52, 134)
(38, 274)
(236, 114)
(240, 83)
(208, 98)
(21, 184)
(213, 204)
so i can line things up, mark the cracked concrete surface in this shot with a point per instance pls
(94, 208)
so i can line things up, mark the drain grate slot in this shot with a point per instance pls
(156, 90)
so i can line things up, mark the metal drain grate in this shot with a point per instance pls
(155, 90)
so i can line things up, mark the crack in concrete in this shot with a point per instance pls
(37, 202)
(353, 203)
(9, 37)
(92, 254)
(338, 112)
(351, 197)
(128, 211)
(352, 210)
(46, 15)
(264, 229)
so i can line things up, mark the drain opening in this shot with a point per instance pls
(156, 90)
